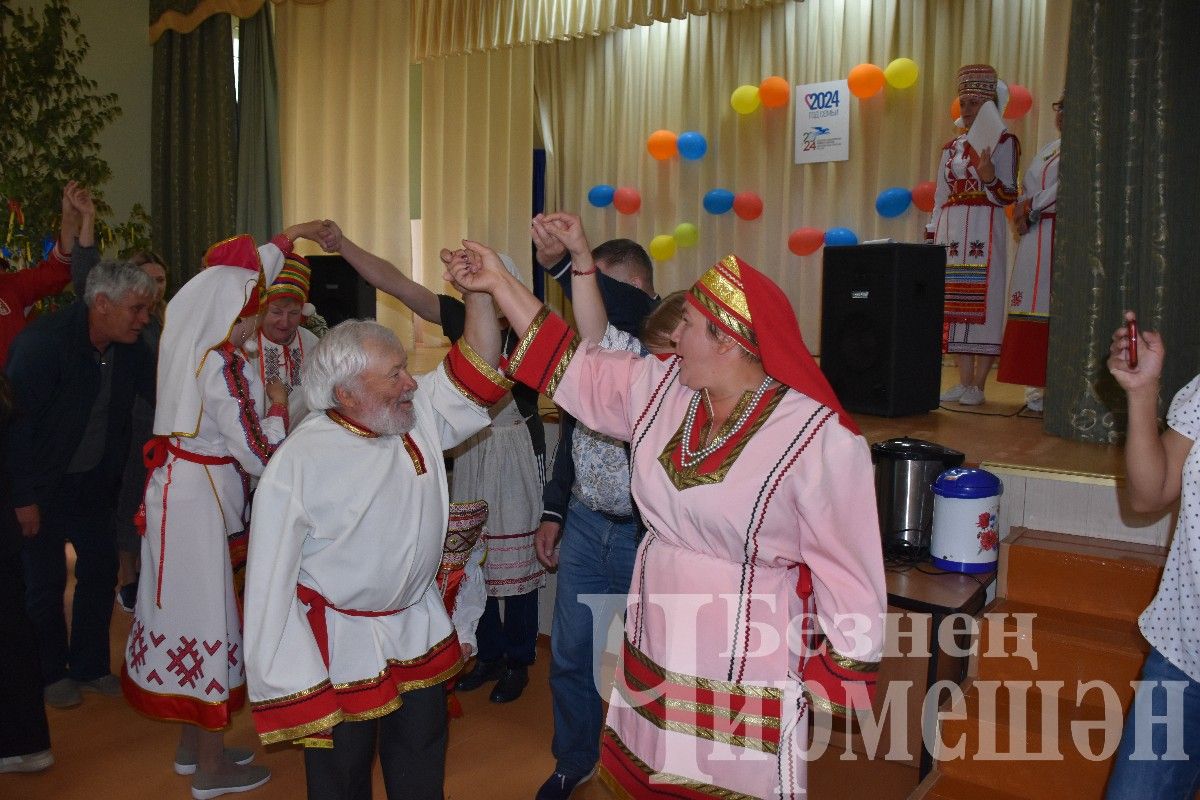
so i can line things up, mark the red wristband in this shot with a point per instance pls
(583, 272)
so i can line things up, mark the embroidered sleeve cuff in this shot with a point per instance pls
(836, 683)
(284, 244)
(477, 380)
(542, 356)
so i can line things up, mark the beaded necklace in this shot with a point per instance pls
(688, 458)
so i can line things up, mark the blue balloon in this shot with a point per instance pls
(692, 145)
(601, 195)
(718, 201)
(893, 202)
(836, 237)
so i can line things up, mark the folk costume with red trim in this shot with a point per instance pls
(184, 659)
(968, 218)
(285, 362)
(343, 610)
(765, 532)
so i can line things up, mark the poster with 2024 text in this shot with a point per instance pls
(822, 122)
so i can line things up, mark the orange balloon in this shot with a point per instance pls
(1019, 102)
(865, 80)
(922, 195)
(805, 241)
(662, 145)
(747, 205)
(774, 92)
(955, 110)
(1008, 211)
(627, 200)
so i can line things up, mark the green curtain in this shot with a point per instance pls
(1128, 230)
(259, 189)
(193, 161)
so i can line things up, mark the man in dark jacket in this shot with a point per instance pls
(75, 375)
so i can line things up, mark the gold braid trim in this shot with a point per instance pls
(485, 369)
(727, 320)
(845, 662)
(300, 731)
(518, 354)
(560, 368)
(666, 777)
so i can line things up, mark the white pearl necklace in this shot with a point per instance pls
(689, 459)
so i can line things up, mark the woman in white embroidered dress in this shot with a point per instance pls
(968, 218)
(184, 659)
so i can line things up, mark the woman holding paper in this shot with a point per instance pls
(977, 178)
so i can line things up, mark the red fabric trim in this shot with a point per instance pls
(361, 698)
(633, 778)
(845, 687)
(317, 606)
(1023, 352)
(210, 716)
(238, 251)
(239, 389)
(483, 390)
(547, 348)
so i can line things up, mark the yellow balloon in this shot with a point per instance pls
(901, 73)
(686, 234)
(662, 247)
(745, 99)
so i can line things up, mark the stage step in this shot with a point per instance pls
(1052, 644)
(938, 786)
(1023, 742)
(1078, 573)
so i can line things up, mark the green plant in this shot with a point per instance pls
(52, 116)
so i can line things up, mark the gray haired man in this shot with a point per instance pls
(75, 374)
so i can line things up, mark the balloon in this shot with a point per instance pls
(747, 205)
(686, 234)
(692, 145)
(1002, 96)
(774, 92)
(922, 195)
(837, 237)
(1019, 102)
(662, 247)
(718, 201)
(601, 195)
(955, 111)
(901, 73)
(745, 99)
(865, 80)
(627, 200)
(661, 145)
(804, 241)
(893, 202)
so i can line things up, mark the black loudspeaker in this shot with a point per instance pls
(338, 292)
(881, 326)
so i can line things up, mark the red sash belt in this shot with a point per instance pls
(317, 604)
(154, 454)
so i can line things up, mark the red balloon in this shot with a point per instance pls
(747, 205)
(805, 241)
(1020, 100)
(627, 200)
(922, 195)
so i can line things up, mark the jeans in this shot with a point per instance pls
(1151, 774)
(514, 638)
(596, 558)
(80, 511)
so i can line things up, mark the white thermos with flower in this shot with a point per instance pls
(966, 530)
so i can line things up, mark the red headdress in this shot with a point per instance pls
(748, 306)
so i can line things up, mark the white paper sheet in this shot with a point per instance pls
(986, 129)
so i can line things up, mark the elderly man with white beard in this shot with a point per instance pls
(348, 642)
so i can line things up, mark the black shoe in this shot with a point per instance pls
(481, 673)
(559, 787)
(127, 596)
(511, 684)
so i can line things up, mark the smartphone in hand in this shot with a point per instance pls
(1131, 328)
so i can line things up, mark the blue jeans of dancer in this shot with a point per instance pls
(1165, 764)
(596, 558)
(513, 638)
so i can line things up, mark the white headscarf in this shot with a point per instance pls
(199, 319)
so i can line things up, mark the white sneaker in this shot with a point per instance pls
(953, 393)
(1033, 398)
(973, 396)
(30, 762)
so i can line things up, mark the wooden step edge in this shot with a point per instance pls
(1082, 625)
(1087, 546)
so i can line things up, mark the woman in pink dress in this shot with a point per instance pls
(758, 590)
